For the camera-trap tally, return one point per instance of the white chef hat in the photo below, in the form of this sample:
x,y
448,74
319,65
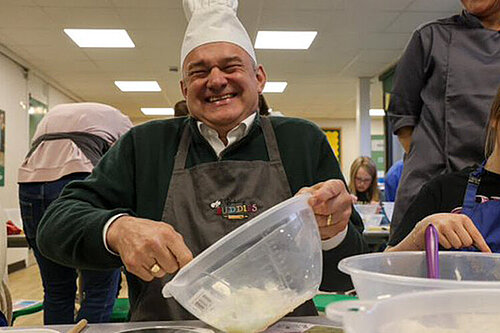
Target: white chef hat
x,y
213,21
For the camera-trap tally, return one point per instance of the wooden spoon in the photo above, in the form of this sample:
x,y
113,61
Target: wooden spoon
x,y
78,326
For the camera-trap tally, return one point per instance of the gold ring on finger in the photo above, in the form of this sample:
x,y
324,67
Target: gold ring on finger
x,y
329,220
155,268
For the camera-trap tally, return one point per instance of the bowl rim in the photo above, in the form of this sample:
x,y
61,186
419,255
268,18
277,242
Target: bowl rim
x,y
418,281
297,202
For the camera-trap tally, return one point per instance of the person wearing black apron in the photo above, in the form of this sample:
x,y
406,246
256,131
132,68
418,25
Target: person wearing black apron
x,y
184,183
212,183
472,195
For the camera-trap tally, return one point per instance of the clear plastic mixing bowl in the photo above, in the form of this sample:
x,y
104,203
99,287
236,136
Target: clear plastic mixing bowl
x,y
257,274
381,275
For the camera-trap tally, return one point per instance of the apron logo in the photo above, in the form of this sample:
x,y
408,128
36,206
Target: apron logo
x,y
233,210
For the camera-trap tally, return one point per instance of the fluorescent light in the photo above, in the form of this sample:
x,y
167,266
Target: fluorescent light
x,y
377,112
285,40
143,86
158,111
274,87
100,37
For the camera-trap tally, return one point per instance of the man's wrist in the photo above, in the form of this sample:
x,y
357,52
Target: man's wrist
x,y
105,231
331,243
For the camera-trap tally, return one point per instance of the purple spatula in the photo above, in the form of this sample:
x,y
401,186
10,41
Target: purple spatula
x,y
431,252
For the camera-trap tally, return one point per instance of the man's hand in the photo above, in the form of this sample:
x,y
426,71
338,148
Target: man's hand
x,y
454,230
331,204
142,243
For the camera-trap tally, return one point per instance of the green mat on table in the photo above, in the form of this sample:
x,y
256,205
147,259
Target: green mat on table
x,y
321,301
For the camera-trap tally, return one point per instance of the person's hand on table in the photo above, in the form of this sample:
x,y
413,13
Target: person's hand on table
x,y
354,199
143,243
454,230
331,204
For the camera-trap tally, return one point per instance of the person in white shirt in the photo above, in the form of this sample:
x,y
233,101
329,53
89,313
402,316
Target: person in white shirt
x,y
202,176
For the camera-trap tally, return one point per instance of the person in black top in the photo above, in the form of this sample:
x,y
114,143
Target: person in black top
x,y
464,206
442,90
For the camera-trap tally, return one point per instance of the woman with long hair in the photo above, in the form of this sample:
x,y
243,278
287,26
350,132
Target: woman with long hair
x,y
363,181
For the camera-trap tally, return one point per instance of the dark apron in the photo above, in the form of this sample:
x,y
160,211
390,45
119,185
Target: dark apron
x,y
208,201
91,145
484,214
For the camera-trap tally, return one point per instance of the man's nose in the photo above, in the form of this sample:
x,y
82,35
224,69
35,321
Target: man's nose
x,y
216,79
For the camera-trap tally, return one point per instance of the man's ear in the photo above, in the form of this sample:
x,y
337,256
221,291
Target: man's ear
x,y
261,76
183,89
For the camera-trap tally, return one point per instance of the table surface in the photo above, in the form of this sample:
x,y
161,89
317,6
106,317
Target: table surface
x,y
118,327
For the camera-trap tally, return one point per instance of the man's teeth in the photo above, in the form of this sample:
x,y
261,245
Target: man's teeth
x,y
219,98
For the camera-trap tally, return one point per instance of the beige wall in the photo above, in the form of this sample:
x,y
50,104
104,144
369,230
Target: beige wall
x,y
350,138
13,96
377,126
14,89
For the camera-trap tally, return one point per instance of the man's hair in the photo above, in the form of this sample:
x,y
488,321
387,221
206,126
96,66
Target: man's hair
x,y
181,109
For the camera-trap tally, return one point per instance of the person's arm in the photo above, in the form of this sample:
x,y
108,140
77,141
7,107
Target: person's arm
x,y
427,202
353,242
410,77
454,231
71,231
404,137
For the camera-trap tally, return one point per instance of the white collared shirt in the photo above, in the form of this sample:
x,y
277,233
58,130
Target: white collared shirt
x,y
233,135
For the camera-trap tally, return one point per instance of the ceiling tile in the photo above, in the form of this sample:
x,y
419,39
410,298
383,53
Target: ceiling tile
x,y
153,19
18,3
84,18
363,6
449,6
147,3
299,5
34,37
24,17
389,41
408,22
74,3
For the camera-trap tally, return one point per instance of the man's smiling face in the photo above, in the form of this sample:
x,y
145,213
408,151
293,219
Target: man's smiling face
x,y
221,84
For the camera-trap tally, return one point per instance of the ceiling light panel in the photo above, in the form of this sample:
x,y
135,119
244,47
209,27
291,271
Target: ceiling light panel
x,y
103,38
158,111
138,86
285,40
274,87
377,112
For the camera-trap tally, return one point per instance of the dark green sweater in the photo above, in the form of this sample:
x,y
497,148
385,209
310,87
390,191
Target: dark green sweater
x,y
133,177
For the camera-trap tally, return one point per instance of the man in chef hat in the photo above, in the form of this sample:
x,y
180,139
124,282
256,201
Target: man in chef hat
x,y
170,189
